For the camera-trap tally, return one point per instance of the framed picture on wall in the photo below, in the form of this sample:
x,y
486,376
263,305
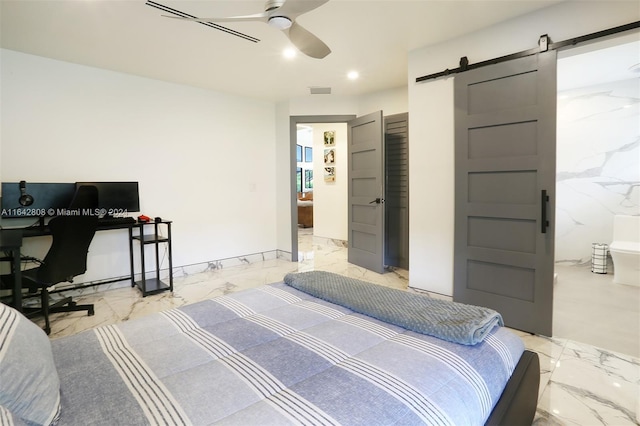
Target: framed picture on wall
x,y
308,154
329,174
329,138
330,156
308,179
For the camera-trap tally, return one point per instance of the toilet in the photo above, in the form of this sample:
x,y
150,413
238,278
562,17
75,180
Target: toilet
x,y
625,250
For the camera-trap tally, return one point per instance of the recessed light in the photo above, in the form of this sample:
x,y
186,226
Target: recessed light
x,y
353,75
289,53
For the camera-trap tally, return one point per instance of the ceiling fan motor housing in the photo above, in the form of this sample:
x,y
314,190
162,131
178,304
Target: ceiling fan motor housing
x,y
272,4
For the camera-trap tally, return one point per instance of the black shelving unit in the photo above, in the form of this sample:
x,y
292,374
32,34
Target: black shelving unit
x,y
151,285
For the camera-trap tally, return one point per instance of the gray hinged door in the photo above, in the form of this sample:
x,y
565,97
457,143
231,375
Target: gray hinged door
x,y
366,192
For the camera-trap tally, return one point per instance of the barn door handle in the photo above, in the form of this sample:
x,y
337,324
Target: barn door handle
x,y
377,201
544,223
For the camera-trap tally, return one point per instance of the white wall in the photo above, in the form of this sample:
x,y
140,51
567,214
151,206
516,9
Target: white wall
x,y
196,159
330,198
323,105
431,132
392,101
598,164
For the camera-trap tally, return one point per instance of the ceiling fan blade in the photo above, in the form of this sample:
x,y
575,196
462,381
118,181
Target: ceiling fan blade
x,y
306,42
294,8
262,17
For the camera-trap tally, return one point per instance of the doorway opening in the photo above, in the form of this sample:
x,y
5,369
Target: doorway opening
x,y
317,170
321,186
597,177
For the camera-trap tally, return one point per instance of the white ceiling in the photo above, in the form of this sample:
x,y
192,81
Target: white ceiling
x,y
372,37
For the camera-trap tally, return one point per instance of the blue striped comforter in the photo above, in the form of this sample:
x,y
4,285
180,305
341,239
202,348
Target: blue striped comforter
x,y
275,355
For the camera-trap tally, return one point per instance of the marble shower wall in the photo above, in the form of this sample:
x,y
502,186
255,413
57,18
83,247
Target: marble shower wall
x,y
598,165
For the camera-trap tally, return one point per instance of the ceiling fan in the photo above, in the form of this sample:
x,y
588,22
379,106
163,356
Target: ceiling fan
x,y
282,14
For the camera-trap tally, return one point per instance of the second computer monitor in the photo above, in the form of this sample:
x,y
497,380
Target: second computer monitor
x,y
116,198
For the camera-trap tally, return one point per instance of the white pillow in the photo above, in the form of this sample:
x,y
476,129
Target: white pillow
x,y
29,383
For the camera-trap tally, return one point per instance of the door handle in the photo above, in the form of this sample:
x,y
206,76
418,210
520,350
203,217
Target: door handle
x,y
377,201
544,200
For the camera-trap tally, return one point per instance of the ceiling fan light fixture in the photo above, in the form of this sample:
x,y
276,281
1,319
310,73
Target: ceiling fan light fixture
x,y
280,22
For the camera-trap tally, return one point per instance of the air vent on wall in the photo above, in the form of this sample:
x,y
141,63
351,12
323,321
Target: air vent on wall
x,y
320,90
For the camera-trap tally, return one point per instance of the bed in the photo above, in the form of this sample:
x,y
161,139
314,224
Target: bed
x,y
317,349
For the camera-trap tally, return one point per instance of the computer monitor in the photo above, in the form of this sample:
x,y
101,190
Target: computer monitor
x,y
38,199
116,198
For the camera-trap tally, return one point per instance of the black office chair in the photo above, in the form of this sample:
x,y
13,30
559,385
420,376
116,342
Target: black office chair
x,y
66,258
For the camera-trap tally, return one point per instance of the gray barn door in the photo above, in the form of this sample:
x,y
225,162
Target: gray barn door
x,y
396,201
505,190
366,192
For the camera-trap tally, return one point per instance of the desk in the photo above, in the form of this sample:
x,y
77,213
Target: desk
x,y
41,230
11,241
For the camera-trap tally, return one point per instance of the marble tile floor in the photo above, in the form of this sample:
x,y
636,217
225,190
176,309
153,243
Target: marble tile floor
x,y
581,384
591,308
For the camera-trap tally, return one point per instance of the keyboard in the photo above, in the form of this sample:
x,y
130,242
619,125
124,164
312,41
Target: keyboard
x,y
113,221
